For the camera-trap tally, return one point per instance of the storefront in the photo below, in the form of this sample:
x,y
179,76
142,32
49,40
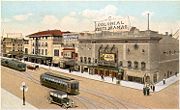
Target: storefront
x,y
135,76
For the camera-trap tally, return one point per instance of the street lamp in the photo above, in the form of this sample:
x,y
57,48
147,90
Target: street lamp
x,y
23,88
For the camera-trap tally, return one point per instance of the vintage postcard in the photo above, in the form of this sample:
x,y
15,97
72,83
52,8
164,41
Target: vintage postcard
x,y
89,54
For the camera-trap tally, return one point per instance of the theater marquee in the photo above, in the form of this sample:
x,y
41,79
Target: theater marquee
x,y
113,24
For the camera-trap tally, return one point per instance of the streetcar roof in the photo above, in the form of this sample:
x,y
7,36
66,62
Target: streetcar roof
x,y
55,76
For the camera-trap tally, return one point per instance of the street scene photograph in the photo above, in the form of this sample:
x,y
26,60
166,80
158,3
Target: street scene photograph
x,y
89,54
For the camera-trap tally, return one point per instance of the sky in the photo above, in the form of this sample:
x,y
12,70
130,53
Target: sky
x,y
28,17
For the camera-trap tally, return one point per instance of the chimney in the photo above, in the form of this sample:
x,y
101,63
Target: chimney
x,y
166,33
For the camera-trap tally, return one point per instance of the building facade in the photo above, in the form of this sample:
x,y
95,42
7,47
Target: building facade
x,y
70,50
12,47
45,47
138,56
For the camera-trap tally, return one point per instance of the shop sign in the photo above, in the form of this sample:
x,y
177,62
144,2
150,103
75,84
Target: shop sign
x,y
108,57
113,24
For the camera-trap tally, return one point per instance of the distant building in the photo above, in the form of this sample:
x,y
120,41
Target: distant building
x,y
12,47
138,56
45,47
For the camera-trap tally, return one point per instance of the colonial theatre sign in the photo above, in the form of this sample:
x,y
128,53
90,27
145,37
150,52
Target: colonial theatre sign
x,y
113,24
108,57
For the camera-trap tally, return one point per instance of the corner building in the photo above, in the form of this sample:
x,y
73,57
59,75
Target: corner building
x,y
138,56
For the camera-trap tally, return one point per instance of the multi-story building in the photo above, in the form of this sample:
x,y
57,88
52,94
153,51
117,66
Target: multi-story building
x,y
12,47
45,47
70,50
138,56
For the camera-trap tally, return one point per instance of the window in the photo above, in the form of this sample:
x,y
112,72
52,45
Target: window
x,y
45,51
129,64
143,65
38,51
33,51
85,60
56,52
135,65
121,63
81,59
46,44
95,60
42,43
89,60
33,44
26,50
42,51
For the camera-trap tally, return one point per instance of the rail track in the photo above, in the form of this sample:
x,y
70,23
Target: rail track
x,y
83,99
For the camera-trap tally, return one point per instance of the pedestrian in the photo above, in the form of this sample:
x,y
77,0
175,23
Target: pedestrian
x,y
148,90
144,90
69,70
153,88
164,81
112,78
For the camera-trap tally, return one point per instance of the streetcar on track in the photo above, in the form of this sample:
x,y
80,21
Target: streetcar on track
x,y
59,82
14,64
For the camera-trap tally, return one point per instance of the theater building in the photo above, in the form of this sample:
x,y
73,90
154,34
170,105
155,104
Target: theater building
x,y
45,47
134,55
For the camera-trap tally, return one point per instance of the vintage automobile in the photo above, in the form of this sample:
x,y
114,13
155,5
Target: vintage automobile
x,y
33,67
60,98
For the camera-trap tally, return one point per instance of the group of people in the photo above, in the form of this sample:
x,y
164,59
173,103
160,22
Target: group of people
x,y
146,89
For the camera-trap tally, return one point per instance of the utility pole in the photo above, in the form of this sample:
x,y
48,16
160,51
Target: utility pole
x,y
148,20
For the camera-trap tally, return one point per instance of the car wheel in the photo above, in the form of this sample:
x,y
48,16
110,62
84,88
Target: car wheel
x,y
49,99
64,106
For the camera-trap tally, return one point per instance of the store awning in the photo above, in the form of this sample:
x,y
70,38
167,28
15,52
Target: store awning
x,y
135,73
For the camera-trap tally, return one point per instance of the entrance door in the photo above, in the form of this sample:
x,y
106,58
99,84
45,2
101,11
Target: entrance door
x,y
155,78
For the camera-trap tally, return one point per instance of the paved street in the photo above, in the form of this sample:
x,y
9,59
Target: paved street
x,y
93,94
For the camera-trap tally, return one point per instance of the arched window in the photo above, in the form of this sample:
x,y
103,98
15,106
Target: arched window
x,y
89,60
121,63
85,60
135,65
81,59
143,65
129,64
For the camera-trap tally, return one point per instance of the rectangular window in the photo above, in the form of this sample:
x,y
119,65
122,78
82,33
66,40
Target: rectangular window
x,y
42,51
33,51
45,51
56,52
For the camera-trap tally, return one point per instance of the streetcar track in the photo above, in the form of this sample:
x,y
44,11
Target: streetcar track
x,y
107,97
89,103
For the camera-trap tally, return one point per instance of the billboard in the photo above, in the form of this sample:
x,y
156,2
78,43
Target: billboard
x,y
107,57
113,24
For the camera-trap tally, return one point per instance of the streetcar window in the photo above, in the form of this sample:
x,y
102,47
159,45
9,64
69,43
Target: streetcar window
x,y
74,86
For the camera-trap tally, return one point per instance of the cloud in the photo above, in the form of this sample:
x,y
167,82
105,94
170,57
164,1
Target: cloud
x,y
22,17
5,20
49,20
109,10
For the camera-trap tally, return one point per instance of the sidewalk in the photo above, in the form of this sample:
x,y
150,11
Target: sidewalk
x,y
158,87
10,101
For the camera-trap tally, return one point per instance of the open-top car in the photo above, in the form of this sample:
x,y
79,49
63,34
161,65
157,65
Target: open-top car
x,y
60,98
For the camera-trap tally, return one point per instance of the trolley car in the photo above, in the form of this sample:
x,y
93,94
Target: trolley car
x,y
14,64
59,82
